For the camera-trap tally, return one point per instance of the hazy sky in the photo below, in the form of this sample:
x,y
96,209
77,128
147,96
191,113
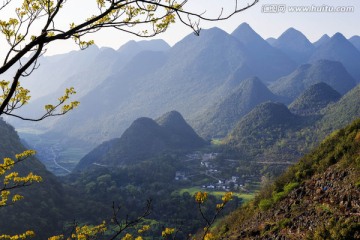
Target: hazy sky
x,y
263,18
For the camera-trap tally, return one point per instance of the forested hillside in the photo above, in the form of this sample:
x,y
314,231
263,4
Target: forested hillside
x,y
314,99
317,198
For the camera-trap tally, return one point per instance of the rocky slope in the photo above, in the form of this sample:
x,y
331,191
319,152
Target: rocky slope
x,y
317,198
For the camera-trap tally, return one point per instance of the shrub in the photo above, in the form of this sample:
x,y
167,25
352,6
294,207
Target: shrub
x,y
265,204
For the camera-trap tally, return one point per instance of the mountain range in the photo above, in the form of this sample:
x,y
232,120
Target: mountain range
x,y
198,77
270,101
271,132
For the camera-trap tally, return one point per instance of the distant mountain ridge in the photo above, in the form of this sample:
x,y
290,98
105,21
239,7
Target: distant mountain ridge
x,y
330,72
338,48
193,76
144,139
294,44
342,112
268,63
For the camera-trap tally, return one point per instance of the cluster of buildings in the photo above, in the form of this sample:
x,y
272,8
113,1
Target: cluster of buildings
x,y
209,169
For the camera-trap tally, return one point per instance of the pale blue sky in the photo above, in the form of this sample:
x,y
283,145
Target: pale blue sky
x,y
313,25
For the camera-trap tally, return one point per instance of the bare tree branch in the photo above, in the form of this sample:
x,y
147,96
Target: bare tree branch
x,y
142,18
123,225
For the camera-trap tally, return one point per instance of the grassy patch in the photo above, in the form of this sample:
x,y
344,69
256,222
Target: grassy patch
x,y
217,141
245,196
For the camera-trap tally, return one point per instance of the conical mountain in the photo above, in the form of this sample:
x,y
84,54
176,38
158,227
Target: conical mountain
x,y
324,39
140,141
330,72
144,139
294,44
204,52
355,40
182,135
219,119
315,98
261,128
265,60
338,48
191,75
154,45
247,36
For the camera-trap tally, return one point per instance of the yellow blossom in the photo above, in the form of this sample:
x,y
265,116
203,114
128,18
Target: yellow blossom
x,y
200,197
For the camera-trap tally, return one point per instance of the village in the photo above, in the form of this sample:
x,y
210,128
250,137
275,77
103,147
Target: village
x,y
209,166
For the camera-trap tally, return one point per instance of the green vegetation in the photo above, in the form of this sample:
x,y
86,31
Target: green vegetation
x,y
193,190
314,99
334,164
270,132
132,185
221,118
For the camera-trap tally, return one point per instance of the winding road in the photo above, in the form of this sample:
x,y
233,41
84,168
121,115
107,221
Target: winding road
x,y
53,153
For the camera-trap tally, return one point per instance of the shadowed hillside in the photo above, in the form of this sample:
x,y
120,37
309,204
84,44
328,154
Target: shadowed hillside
x,y
144,139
